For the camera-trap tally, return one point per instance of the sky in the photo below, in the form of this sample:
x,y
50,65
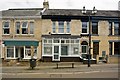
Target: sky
x,y
61,4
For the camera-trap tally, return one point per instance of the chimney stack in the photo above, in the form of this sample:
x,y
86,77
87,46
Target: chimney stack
x,y
46,4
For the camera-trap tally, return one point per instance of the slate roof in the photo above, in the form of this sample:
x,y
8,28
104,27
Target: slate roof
x,y
66,12
78,12
22,12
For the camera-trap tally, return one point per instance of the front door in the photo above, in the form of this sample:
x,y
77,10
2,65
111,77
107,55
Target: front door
x,y
56,53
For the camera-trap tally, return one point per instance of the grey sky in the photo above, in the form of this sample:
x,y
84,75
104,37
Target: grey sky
x,y
61,4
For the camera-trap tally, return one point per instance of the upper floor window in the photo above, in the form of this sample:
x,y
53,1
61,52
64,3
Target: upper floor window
x,y
17,27
31,27
94,27
6,27
84,27
68,27
24,27
110,28
116,28
61,27
54,27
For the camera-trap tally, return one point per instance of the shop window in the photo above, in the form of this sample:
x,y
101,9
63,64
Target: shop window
x,y
10,52
47,49
27,52
74,49
35,52
116,48
6,28
64,50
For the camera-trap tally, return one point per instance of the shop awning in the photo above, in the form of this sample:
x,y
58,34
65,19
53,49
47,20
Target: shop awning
x,y
20,43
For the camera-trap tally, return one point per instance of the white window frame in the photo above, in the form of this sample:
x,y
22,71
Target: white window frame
x,y
26,27
3,23
13,53
26,57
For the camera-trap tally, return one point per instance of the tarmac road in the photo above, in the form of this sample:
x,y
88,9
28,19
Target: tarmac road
x,y
80,71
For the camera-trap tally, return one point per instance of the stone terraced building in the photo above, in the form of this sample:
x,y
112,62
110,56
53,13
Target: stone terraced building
x,y
59,34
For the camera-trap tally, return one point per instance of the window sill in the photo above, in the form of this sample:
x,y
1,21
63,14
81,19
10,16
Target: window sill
x,y
113,35
94,35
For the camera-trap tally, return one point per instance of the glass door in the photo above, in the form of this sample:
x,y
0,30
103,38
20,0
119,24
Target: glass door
x,y
56,53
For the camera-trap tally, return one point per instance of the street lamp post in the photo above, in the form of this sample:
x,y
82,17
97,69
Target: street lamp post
x,y
94,11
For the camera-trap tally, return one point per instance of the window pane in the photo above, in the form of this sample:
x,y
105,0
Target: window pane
x,y
84,27
110,28
94,28
17,27
64,50
28,52
6,25
75,50
35,51
24,25
116,28
47,50
31,27
24,28
54,27
6,31
56,41
61,27
84,49
68,27
24,31
56,49
10,52
117,48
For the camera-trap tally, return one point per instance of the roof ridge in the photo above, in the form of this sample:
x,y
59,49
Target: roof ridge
x,y
26,9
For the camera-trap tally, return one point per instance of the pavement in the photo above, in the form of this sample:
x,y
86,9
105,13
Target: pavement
x,y
50,70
